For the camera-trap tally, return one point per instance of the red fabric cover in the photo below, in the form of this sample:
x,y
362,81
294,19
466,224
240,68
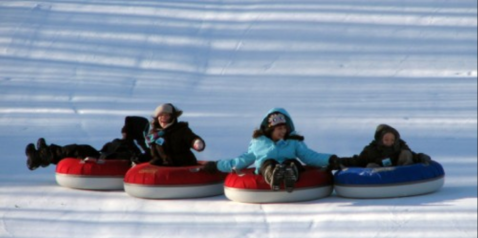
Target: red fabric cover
x,y
73,166
147,174
311,177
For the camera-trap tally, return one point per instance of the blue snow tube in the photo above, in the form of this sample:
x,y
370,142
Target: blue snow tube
x,y
389,182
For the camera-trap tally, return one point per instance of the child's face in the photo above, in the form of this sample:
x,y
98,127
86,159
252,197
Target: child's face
x,y
388,139
164,119
279,133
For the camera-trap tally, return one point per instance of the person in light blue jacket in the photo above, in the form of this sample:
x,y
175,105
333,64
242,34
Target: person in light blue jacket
x,y
275,150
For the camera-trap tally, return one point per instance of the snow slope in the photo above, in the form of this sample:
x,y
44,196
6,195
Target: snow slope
x,y
71,70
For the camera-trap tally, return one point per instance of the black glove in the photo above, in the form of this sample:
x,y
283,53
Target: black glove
x,y
334,163
210,167
424,159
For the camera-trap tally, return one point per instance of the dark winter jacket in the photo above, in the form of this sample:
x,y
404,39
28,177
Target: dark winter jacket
x,y
176,142
120,149
376,152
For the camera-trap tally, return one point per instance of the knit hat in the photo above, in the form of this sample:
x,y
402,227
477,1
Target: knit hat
x,y
276,119
289,122
167,108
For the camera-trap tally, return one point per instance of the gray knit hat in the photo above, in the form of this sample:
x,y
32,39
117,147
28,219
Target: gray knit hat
x,y
167,108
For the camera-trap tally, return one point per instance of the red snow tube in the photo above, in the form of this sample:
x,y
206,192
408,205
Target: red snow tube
x,y
251,188
158,182
92,174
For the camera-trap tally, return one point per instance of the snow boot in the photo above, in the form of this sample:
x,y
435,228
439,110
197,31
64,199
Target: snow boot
x,y
291,176
52,154
277,177
33,158
44,152
41,144
268,172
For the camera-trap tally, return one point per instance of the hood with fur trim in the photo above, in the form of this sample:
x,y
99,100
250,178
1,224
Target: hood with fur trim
x,y
383,129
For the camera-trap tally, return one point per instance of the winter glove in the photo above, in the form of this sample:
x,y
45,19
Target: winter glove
x,y
198,145
210,167
334,163
424,159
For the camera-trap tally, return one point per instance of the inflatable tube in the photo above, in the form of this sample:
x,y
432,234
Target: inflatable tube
x,y
251,188
389,182
92,175
157,182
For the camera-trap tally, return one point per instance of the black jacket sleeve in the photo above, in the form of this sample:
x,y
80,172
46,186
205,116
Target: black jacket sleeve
x,y
189,137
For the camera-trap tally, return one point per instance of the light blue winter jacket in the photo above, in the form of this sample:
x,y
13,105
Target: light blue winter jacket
x,y
263,148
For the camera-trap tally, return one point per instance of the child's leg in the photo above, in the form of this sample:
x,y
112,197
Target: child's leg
x,y
297,164
405,158
53,154
267,169
267,164
278,176
291,174
156,158
273,173
83,151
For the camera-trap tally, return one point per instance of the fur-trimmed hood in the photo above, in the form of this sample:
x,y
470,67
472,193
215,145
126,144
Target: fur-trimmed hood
x,y
383,129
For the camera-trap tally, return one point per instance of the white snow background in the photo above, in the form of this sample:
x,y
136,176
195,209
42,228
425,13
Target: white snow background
x,y
71,70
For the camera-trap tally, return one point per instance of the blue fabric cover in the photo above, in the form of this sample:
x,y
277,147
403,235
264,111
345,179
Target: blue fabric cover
x,y
388,175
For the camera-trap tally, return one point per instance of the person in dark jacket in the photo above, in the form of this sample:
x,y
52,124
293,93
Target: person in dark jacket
x,y
125,148
387,149
170,141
